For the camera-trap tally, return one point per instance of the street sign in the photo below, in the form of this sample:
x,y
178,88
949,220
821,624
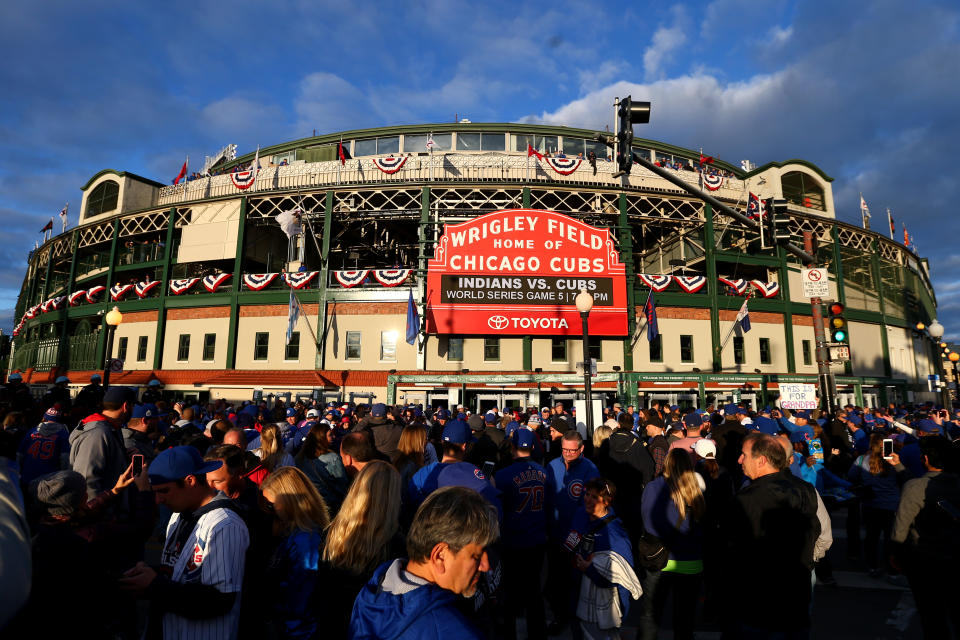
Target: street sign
x,y
816,284
593,367
116,365
798,396
839,353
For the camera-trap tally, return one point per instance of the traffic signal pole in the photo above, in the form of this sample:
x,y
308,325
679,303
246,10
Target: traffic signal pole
x,y
825,375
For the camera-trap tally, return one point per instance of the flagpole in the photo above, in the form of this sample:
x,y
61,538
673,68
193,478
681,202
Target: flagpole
x,y
890,224
732,327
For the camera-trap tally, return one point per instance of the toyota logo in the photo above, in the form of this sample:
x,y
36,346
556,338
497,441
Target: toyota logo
x,y
497,322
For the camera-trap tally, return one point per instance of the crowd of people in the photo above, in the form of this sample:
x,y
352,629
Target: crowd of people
x,y
335,520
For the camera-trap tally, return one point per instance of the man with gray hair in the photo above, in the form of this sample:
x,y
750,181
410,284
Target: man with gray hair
x,y
415,597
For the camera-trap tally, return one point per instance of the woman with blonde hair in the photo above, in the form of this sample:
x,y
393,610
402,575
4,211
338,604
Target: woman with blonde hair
x,y
299,519
271,453
673,507
364,535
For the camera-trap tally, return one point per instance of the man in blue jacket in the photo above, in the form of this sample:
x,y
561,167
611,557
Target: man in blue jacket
x,y
567,478
415,597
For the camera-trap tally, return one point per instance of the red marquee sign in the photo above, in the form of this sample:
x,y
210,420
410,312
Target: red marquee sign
x,y
518,272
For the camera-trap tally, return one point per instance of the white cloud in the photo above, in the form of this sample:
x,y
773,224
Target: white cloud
x,y
666,40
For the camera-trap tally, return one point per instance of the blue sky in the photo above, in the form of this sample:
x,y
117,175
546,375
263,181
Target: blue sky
x,y
867,91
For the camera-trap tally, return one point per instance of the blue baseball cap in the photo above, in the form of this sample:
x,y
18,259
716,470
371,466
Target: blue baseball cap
x,y
119,395
457,432
291,412
693,419
443,414
524,439
176,463
95,377
153,383
61,379
855,420
490,417
928,426
802,414
142,411
766,425
730,409
378,410
14,376
512,426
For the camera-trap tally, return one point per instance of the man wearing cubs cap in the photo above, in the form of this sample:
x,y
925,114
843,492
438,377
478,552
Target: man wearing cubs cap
x,y
196,589
141,432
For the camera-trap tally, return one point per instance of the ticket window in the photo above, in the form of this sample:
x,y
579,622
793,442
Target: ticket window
x,y
728,398
871,399
682,400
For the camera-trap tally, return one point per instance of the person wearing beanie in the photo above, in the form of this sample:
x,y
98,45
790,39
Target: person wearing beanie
x,y
96,445
45,448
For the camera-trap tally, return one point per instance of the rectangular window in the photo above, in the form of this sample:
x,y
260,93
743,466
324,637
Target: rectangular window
x,y
468,142
417,143
388,145
494,142
656,349
739,357
353,346
142,349
209,346
455,349
572,147
558,350
365,147
491,349
292,351
686,348
261,345
183,349
543,144
122,348
388,346
596,349
807,353
764,350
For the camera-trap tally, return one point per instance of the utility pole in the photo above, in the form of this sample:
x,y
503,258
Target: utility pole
x,y
827,384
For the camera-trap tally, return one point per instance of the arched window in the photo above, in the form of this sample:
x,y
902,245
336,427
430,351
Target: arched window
x,y
803,190
103,198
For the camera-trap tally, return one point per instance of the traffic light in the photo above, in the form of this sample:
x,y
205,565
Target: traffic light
x,y
629,113
837,324
777,220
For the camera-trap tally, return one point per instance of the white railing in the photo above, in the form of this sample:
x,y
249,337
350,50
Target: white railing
x,y
440,167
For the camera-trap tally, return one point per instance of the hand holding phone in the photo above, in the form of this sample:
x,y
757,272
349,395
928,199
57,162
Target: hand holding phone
x,y
887,448
137,465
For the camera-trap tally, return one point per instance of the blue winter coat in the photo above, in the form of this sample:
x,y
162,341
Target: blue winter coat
x,y
395,605
565,489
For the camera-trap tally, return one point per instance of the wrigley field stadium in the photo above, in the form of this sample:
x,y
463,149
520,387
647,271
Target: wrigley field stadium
x,y
440,264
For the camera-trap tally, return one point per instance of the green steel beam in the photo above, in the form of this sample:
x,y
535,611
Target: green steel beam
x,y
875,265
526,197
320,362
422,267
626,257
708,249
787,313
237,280
101,335
841,291
64,353
164,287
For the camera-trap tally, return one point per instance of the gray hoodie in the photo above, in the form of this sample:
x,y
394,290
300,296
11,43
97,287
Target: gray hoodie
x,y
97,452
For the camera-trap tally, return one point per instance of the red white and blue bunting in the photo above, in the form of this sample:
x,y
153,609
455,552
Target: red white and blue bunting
x,y
766,289
389,165
299,279
711,181
95,292
691,284
118,291
183,285
564,166
45,306
143,288
392,277
75,297
243,179
212,283
32,311
737,284
350,279
258,281
656,282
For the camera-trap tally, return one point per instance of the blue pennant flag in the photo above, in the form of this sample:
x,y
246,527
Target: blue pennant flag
x,y
413,320
650,311
743,317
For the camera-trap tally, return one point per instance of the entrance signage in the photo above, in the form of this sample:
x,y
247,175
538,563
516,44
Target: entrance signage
x,y
518,272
